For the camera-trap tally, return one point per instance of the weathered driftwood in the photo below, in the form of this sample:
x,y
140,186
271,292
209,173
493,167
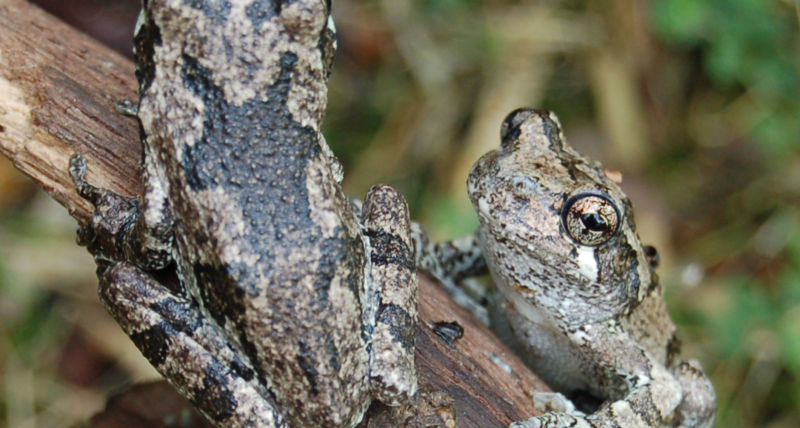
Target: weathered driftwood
x,y
57,93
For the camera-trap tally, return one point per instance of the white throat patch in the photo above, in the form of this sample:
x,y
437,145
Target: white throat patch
x,y
587,263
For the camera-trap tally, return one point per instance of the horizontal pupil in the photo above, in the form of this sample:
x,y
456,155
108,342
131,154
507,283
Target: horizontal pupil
x,y
594,222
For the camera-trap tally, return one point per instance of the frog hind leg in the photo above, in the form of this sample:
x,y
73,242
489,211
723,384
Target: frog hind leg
x,y
453,260
187,349
699,402
453,263
653,392
644,406
391,314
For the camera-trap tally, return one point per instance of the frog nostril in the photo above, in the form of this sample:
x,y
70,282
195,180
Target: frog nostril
x,y
541,122
510,128
510,136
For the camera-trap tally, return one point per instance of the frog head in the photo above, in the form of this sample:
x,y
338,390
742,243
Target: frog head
x,y
556,223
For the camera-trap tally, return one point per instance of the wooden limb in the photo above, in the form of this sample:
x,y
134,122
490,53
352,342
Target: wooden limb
x,y
57,94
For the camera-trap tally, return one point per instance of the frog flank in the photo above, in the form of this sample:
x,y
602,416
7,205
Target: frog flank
x,y
292,309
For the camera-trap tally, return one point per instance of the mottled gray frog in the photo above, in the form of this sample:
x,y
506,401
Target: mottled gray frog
x,y
290,309
579,290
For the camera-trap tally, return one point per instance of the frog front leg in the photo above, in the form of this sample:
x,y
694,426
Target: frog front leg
x,y
391,290
187,349
451,262
699,404
644,393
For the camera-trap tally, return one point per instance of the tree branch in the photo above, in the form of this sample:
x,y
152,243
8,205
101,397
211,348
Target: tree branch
x,y
59,88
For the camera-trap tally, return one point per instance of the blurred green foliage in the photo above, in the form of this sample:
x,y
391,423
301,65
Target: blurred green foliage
x,y
747,46
750,54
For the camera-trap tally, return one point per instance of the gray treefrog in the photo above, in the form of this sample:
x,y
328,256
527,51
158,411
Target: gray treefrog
x,y
579,290
290,310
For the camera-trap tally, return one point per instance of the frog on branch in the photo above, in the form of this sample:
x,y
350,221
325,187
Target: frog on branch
x,y
579,290
291,310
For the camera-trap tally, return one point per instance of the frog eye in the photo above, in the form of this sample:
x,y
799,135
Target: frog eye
x,y
590,218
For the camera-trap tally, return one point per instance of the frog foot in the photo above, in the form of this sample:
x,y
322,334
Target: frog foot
x,y
546,402
553,420
113,216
